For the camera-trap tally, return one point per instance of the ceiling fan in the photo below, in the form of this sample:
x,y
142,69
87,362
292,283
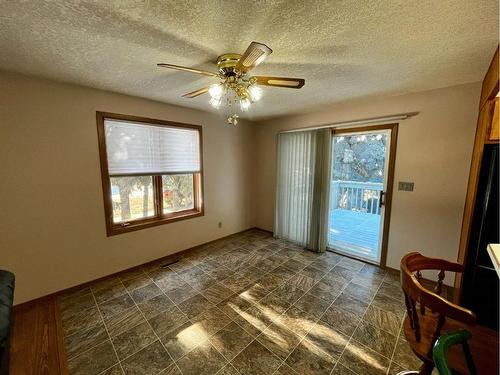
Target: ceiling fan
x,y
235,86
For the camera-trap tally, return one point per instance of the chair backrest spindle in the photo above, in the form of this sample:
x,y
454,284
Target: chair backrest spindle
x,y
419,277
412,266
439,285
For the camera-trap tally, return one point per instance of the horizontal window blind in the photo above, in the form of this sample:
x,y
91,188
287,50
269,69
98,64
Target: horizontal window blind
x,y
141,148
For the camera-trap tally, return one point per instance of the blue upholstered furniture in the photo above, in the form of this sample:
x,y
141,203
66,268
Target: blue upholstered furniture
x,y
7,282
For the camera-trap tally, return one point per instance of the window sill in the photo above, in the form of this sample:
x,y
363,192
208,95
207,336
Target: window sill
x,y
116,229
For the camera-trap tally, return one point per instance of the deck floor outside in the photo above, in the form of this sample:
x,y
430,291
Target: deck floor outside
x,y
355,232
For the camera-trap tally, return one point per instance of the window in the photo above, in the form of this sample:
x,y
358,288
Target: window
x,y
151,171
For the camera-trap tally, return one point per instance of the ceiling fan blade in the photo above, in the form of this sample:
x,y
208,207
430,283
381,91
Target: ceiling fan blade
x,y
291,83
186,69
194,94
253,56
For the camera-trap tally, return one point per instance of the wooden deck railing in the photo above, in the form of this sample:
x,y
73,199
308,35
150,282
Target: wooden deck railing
x,y
356,196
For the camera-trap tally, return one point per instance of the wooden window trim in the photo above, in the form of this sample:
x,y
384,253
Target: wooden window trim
x,y
160,218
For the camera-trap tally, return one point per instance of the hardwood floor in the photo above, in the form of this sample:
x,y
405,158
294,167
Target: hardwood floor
x,y
34,339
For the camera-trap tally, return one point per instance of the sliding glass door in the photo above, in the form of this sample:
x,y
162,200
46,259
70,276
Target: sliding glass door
x,y
358,186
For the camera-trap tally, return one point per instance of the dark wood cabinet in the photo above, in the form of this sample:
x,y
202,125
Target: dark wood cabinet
x,y
480,284
478,287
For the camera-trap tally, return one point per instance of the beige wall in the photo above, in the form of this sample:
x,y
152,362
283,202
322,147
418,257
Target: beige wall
x,y
52,230
434,151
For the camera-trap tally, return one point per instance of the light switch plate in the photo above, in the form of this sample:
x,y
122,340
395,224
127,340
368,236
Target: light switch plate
x,y
405,186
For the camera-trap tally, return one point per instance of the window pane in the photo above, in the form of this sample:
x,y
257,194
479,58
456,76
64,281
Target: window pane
x,y
178,192
132,198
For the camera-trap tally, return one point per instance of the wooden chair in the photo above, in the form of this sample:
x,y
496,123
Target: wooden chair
x,y
430,315
443,344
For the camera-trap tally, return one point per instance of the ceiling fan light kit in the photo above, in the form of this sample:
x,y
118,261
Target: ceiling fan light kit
x,y
236,91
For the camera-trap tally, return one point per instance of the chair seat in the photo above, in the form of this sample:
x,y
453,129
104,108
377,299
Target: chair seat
x,y
483,344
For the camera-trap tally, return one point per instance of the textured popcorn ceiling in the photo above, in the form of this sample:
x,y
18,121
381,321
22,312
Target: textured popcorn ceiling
x,y
344,49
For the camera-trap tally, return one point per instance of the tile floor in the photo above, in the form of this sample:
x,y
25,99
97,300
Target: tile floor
x,y
249,304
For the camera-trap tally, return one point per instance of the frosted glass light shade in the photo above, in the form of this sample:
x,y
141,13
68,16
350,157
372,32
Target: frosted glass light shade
x,y
255,93
215,91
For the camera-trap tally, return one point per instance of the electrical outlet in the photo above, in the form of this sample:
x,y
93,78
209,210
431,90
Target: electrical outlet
x,y
406,186
220,224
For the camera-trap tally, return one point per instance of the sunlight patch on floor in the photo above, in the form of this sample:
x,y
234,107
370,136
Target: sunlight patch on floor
x,y
363,354
192,336
327,333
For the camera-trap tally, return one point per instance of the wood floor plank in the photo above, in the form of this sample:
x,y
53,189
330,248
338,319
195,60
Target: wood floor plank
x,y
34,339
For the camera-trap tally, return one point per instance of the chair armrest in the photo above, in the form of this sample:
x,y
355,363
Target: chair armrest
x,y
440,350
416,262
411,286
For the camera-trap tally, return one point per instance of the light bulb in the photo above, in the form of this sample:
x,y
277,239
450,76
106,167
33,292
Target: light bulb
x,y
255,93
215,91
215,102
244,104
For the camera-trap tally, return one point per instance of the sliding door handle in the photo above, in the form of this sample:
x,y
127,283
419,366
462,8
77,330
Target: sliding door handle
x,y
381,199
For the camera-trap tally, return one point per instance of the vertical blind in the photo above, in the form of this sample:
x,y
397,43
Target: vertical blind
x,y
295,186
143,148
303,183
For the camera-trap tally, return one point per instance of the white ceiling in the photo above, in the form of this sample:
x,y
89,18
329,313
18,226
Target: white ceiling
x,y
344,49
